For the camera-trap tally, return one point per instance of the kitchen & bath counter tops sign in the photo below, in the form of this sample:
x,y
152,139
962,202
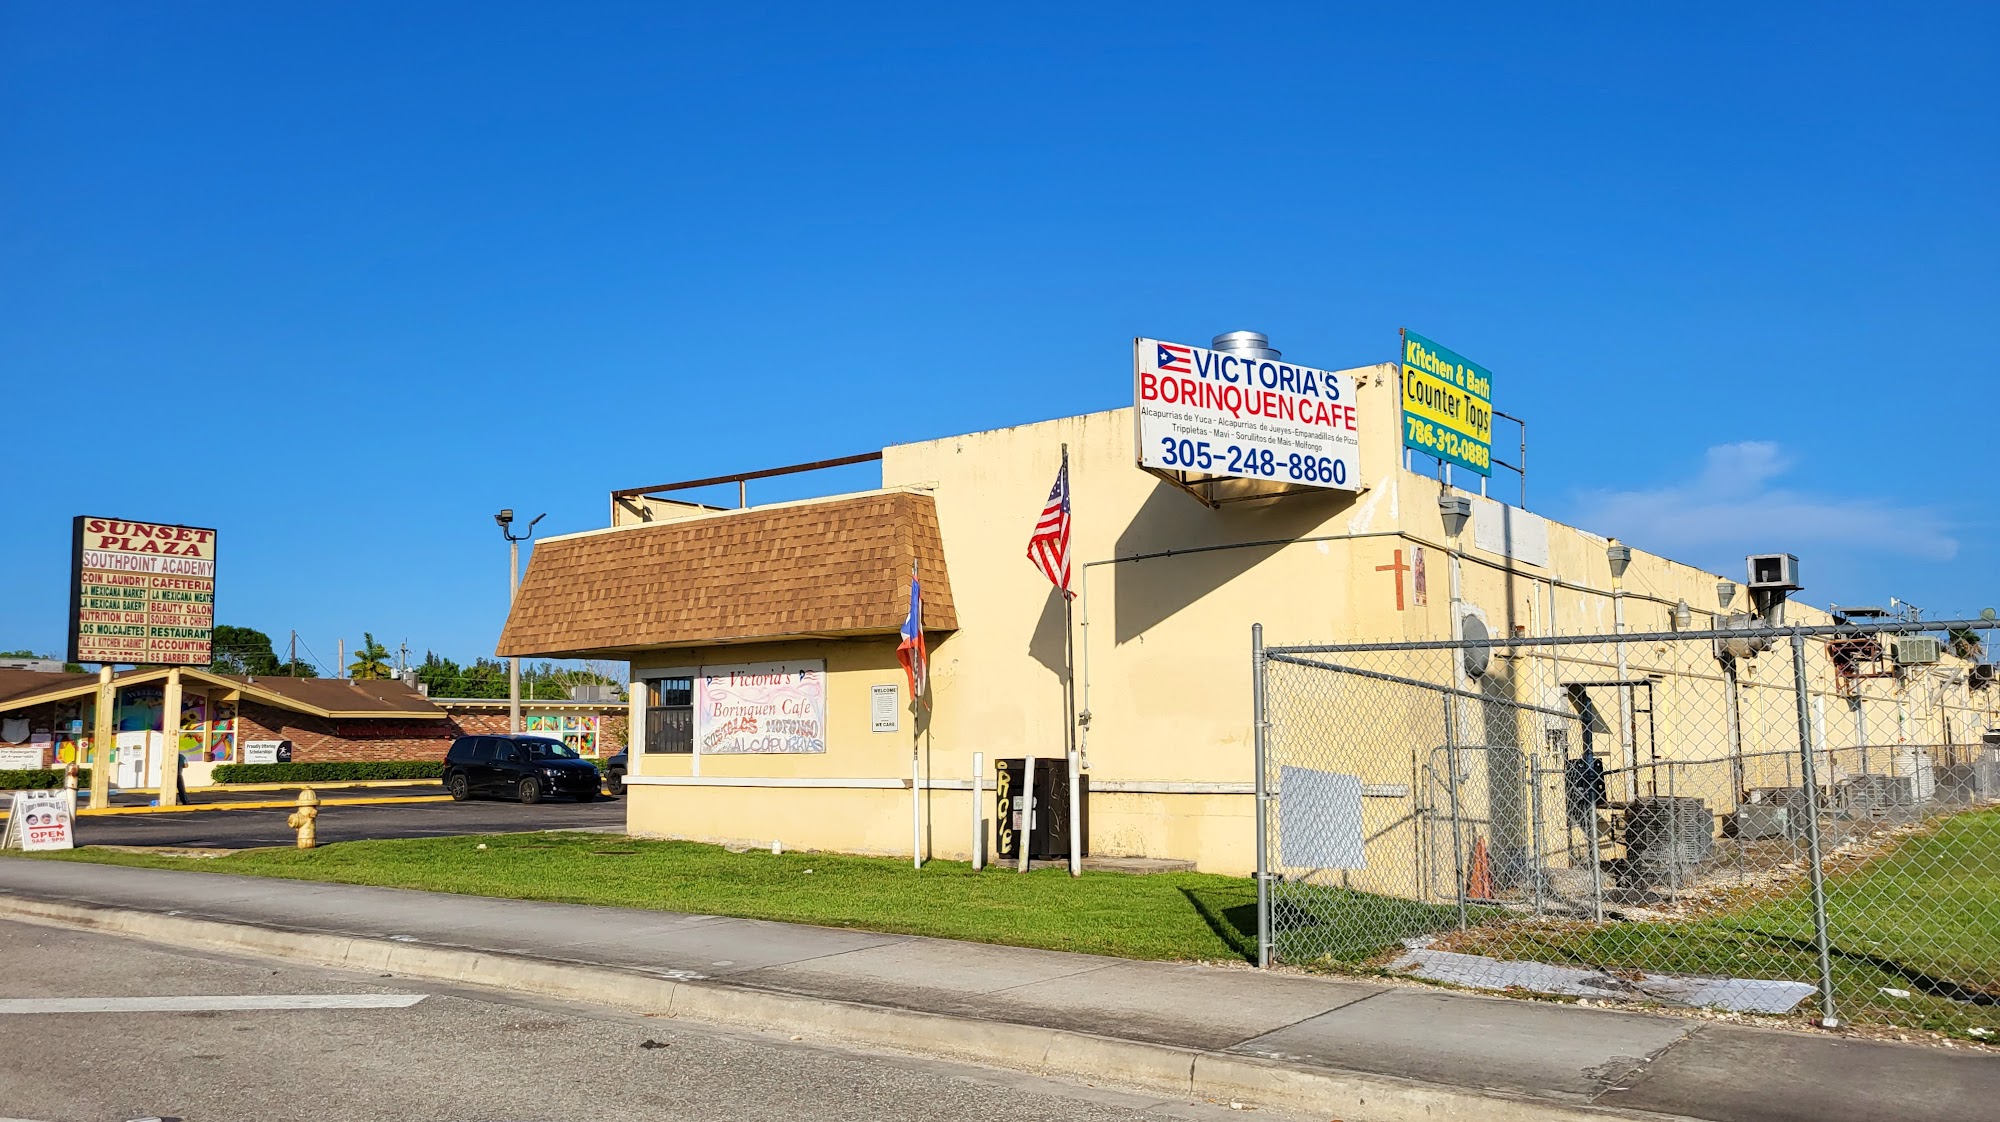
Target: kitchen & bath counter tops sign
x,y
141,593
761,707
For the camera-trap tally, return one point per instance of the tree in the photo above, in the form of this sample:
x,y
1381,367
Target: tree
x,y
486,677
243,650
371,659
296,668
1966,644
439,676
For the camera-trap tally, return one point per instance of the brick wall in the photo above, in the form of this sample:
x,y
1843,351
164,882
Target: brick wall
x,y
610,730
317,740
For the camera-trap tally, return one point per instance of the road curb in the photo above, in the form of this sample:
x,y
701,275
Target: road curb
x,y
259,804
1217,1076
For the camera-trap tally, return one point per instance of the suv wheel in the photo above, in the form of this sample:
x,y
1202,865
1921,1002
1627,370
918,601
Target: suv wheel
x,y
531,790
458,787
614,783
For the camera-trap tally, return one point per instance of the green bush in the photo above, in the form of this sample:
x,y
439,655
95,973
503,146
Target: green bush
x,y
33,779
328,772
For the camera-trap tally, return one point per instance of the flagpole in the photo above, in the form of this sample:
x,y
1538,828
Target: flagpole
x,y
916,759
1069,715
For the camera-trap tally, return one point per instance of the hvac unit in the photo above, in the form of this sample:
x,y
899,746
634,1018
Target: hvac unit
x,y
1755,821
1665,838
1774,572
1869,796
1981,676
1917,650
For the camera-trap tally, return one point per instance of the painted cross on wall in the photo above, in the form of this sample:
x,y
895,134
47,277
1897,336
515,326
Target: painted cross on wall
x,y
1399,569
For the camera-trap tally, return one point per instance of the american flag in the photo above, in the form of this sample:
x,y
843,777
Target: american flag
x,y
1048,548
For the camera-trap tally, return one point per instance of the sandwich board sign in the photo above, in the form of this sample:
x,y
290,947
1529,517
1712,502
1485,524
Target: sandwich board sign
x,y
36,820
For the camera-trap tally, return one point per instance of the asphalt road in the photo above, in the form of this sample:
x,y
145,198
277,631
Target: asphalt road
x,y
453,1055
244,829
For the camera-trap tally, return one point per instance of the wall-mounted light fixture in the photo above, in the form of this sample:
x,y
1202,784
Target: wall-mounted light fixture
x,y
1620,557
1456,510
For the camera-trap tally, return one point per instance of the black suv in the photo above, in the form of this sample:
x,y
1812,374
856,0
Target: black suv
x,y
530,768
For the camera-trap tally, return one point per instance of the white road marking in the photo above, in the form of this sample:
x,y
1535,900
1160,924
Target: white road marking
x,y
231,1004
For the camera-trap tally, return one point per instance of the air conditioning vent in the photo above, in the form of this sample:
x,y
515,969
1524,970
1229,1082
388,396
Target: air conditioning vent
x,y
1982,676
1917,650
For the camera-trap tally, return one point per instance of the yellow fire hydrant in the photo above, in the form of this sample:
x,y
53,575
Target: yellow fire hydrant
x,y
302,818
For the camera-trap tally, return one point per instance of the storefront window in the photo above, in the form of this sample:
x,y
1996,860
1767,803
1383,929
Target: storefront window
x,y
222,733
577,731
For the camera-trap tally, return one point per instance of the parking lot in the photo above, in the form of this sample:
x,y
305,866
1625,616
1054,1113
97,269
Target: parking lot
x,y
245,829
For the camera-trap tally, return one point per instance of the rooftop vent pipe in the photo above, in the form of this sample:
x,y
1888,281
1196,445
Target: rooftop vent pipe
x,y
1244,344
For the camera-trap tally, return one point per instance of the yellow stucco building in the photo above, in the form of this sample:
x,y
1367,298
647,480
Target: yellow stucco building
x,y
799,605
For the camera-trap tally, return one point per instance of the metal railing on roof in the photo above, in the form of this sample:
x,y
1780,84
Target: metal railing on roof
x,y
742,478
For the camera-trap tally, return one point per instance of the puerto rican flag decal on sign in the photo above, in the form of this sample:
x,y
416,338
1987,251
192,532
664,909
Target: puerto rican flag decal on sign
x,y
1176,359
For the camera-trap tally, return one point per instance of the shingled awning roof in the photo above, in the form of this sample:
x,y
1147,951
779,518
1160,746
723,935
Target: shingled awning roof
x,y
835,567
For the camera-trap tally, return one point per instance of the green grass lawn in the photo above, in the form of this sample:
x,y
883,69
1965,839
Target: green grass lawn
x,y
1923,918
1188,916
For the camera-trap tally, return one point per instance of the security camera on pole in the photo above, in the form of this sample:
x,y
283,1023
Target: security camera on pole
x,y
506,521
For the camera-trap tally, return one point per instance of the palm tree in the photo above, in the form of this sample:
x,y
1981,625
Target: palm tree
x,y
371,659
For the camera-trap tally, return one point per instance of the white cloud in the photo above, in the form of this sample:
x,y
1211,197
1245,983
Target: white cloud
x,y
1738,501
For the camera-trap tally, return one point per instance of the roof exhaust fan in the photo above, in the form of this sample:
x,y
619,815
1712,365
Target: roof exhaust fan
x,y
1244,344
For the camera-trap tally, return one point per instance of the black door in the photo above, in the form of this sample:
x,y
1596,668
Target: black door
x,y
510,763
484,770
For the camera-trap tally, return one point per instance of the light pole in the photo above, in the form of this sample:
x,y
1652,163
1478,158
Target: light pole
x,y
506,521
1725,594
1620,558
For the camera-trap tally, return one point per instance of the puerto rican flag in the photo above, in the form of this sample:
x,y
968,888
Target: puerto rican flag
x,y
1175,359
910,652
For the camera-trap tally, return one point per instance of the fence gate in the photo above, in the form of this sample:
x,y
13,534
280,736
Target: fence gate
x,y
1757,819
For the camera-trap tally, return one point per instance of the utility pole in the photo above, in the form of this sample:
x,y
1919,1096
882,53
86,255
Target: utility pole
x,y
340,658
292,660
403,659
505,519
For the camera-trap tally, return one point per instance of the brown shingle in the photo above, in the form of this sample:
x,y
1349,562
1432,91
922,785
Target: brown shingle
x,y
840,567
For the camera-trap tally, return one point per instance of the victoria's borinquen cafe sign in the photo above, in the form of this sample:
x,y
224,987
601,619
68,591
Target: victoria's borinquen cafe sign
x,y
141,593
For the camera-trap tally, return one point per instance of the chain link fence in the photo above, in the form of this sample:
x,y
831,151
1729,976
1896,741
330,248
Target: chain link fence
x,y
1766,820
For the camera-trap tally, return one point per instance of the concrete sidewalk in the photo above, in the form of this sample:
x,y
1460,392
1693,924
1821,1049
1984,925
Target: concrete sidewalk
x,y
1350,1048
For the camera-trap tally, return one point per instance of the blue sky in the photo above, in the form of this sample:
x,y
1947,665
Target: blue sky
x,y
344,282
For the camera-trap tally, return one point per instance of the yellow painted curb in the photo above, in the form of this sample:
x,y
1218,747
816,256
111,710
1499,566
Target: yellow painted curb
x,y
263,804
317,785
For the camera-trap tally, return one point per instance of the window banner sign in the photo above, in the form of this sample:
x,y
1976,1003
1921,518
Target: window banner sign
x,y
141,593
763,707
1447,405
1220,414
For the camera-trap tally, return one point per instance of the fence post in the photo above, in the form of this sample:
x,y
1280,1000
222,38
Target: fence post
x,y
1538,863
1257,729
1828,1015
1457,829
